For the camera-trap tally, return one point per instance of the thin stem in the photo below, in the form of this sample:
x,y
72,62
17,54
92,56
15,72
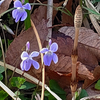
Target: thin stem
x,y
43,67
4,61
33,79
17,29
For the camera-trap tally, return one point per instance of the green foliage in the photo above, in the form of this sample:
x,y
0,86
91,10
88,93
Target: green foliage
x,y
0,53
23,98
57,89
1,76
82,94
3,95
95,1
28,85
17,81
2,69
9,41
97,85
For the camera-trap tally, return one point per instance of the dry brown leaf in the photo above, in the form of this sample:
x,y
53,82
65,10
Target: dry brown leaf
x,y
84,72
87,37
96,74
61,71
4,6
84,55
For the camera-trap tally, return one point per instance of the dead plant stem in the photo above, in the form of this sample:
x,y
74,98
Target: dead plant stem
x,y
43,66
4,61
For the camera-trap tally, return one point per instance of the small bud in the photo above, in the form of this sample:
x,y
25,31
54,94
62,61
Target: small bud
x,y
27,46
50,41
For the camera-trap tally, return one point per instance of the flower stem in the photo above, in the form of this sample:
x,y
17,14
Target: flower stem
x,y
16,29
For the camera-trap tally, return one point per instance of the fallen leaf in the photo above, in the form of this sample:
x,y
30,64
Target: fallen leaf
x,y
96,74
87,37
85,56
4,6
61,71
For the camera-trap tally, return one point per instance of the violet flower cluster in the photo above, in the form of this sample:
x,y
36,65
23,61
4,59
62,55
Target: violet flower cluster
x,y
19,12
27,59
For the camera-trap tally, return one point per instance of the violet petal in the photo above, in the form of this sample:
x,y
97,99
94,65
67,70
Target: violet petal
x,y
17,3
54,47
35,64
24,16
47,59
24,55
44,50
22,65
28,65
14,13
27,6
18,15
34,54
55,58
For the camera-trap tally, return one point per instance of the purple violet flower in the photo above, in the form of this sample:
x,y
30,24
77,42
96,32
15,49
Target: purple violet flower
x,y
20,12
27,60
49,53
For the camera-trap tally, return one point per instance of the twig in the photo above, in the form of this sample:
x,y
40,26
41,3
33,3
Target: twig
x,y
49,17
33,79
5,88
43,66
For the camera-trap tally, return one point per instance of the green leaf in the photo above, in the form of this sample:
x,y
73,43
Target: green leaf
x,y
91,11
22,87
29,85
0,53
97,85
57,89
17,81
27,22
9,41
3,95
24,98
1,76
82,94
2,69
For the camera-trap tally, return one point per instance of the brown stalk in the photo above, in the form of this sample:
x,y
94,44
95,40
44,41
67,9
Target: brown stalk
x,y
43,66
74,56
